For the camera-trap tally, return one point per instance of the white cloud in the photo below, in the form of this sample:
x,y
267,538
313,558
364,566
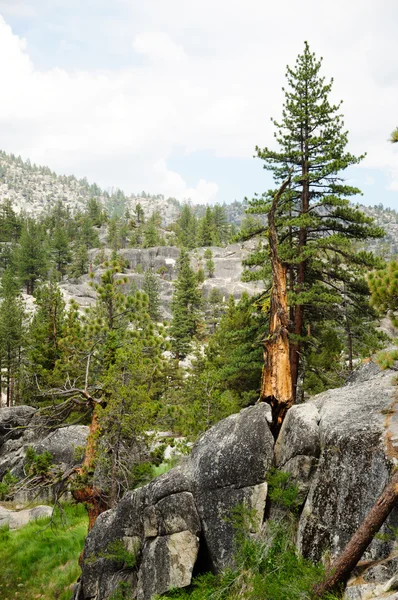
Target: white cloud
x,y
203,77
158,45
174,185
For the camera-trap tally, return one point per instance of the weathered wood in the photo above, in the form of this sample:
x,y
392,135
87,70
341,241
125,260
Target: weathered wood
x,y
341,569
276,385
88,494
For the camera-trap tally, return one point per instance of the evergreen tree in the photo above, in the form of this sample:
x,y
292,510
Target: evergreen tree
x,y
151,288
95,212
394,136
80,261
186,304
113,236
10,223
59,247
210,266
151,237
12,336
221,228
31,256
186,228
87,234
46,330
206,229
383,284
315,221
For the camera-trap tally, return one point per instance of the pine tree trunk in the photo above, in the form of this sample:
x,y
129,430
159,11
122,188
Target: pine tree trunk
x,y
302,242
90,495
276,385
348,559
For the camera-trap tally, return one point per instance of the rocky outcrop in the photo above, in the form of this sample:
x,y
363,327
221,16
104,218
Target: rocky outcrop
x,y
357,430
182,520
340,448
20,428
163,259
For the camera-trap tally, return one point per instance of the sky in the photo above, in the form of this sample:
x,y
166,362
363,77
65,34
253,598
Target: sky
x,y
172,96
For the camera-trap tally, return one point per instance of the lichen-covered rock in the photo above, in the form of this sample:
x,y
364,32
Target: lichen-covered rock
x,y
13,421
189,508
358,431
63,444
299,435
22,427
216,510
229,466
237,451
167,562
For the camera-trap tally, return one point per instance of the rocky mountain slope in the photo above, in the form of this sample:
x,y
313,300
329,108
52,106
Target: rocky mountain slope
x,y
340,449
226,278
33,189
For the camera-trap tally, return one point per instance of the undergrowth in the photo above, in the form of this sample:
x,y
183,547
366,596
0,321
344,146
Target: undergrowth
x,y
40,560
267,565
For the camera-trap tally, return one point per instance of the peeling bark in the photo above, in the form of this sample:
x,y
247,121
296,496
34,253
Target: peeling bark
x,y
94,500
276,385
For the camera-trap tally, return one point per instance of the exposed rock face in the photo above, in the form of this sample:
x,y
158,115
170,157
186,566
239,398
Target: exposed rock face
x,y
183,513
357,429
226,278
340,448
20,428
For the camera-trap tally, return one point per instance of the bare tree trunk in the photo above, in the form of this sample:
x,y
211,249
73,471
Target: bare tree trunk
x,y
276,385
348,559
88,494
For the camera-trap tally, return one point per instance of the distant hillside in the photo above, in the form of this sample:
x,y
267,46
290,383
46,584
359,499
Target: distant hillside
x,y
33,189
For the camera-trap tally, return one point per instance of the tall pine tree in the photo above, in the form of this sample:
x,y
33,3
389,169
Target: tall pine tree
x,y
315,220
186,305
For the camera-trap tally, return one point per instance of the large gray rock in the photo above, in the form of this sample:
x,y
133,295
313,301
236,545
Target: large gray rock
x,y
21,427
358,429
229,466
15,519
63,444
167,562
13,421
299,445
183,513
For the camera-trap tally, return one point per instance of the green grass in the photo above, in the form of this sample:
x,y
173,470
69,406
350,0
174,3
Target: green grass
x,y
41,561
268,569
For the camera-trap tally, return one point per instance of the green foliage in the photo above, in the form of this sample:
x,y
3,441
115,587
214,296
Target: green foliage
x,y
266,569
383,285
42,561
386,358
37,464
45,332
316,224
281,490
151,288
31,256
221,381
80,262
186,305
186,228
7,485
394,136
123,591
13,321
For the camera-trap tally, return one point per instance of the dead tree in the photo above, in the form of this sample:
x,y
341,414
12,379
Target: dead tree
x,y
276,385
341,569
83,488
